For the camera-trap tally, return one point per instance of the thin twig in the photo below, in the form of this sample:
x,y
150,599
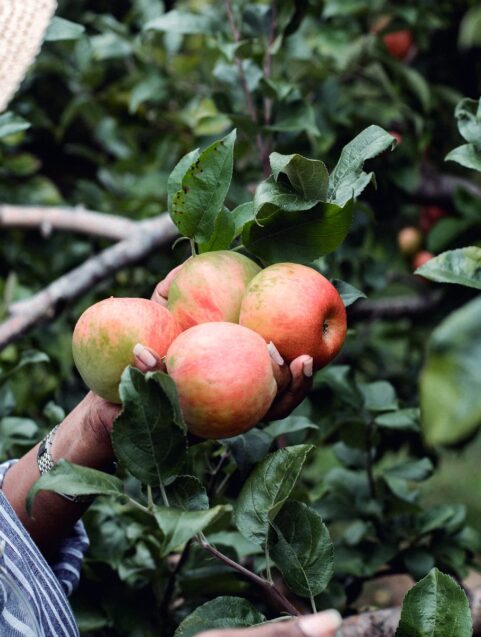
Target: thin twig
x,y
395,307
48,218
439,188
270,589
44,305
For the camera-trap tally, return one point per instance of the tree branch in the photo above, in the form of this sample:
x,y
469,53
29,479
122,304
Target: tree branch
x,y
71,219
395,307
46,303
439,188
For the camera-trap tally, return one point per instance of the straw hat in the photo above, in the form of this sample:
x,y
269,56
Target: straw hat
x,y
22,28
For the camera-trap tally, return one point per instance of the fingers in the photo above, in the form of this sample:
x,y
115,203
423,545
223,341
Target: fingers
x,y
146,359
320,625
301,370
281,371
161,292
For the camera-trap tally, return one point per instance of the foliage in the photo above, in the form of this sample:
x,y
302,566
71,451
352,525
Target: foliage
x,y
107,119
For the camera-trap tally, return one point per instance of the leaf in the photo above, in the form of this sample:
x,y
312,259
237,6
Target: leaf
x,y
466,155
174,182
60,29
271,196
299,236
289,425
450,396
10,123
302,549
249,448
266,490
220,613
378,396
412,470
348,292
182,22
435,607
446,231
402,419
179,526
28,357
308,177
187,493
73,479
223,233
197,203
470,29
461,266
148,436
468,116
244,213
348,179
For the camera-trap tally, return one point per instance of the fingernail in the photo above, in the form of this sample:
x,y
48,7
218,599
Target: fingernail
x,y
274,352
320,624
307,367
143,354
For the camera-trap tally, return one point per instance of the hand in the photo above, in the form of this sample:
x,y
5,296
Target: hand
x,y
294,381
320,625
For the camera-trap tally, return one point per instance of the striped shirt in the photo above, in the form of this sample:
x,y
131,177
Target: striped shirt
x,y
33,593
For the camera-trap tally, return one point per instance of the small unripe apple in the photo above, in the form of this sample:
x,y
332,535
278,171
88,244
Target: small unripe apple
x,y
223,373
410,241
209,287
398,43
297,309
429,217
421,258
106,333
397,136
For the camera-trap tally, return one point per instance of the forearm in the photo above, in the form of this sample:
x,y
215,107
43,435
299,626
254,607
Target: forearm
x,y
81,439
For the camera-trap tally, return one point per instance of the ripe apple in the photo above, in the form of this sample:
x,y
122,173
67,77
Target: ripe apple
x,y
297,309
397,136
429,217
410,241
224,378
398,43
106,334
209,287
421,258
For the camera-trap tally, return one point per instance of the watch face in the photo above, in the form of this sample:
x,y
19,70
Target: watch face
x,y
17,615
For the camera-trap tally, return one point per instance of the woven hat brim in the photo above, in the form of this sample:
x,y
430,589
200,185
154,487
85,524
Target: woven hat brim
x,y
22,28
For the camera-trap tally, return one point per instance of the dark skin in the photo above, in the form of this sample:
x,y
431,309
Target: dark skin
x,y
84,438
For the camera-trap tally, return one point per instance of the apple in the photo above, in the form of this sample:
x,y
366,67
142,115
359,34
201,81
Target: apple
x,y
209,287
106,333
397,136
410,241
398,43
224,378
421,258
429,217
297,309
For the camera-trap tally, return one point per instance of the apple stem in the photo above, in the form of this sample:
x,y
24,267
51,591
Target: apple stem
x,y
192,247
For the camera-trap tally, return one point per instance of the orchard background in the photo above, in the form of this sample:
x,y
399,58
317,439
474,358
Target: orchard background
x,y
119,94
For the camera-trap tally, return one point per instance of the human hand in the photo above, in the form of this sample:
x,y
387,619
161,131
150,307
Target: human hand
x,y
294,381
323,624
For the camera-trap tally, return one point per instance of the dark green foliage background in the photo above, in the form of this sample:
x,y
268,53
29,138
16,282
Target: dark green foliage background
x,y
111,113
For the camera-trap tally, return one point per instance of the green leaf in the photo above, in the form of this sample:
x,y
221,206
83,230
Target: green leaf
x,y
244,213
60,29
73,479
435,607
402,419
148,436
461,266
470,29
181,22
249,448
378,396
302,549
197,203
289,425
10,123
468,116
187,493
220,613
308,177
413,470
299,236
266,490
466,155
28,357
348,292
348,179
223,233
450,396
179,526
174,182
271,196
446,231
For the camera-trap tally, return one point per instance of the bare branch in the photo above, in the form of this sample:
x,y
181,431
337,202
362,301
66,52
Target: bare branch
x,y
71,219
46,303
437,187
395,307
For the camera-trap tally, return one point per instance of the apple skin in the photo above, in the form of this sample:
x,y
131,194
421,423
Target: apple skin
x,y
209,287
224,378
106,333
297,309
421,258
410,241
429,217
398,43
